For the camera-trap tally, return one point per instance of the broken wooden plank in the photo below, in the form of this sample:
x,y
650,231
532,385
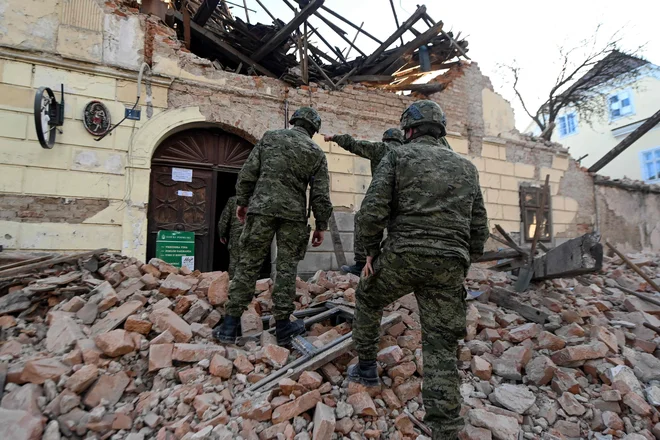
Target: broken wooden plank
x,y
326,354
372,78
406,49
353,25
354,39
336,241
205,11
339,32
641,296
426,89
498,255
396,18
634,267
578,256
505,298
510,241
49,263
414,18
226,48
287,30
26,262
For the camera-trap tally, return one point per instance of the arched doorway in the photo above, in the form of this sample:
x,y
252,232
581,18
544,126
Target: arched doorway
x,y
193,173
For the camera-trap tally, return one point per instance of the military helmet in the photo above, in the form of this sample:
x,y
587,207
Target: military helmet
x,y
423,112
393,134
308,115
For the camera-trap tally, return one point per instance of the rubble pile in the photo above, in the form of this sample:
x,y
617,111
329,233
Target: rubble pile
x,y
118,349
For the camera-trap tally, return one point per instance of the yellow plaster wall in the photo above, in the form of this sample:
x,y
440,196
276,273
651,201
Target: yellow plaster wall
x,y
77,166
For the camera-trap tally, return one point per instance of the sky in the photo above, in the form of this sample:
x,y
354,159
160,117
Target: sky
x,y
499,33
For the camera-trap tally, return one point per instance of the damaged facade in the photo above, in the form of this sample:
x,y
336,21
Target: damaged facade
x,y
115,193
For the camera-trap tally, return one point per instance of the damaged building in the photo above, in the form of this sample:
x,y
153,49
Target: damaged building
x,y
205,100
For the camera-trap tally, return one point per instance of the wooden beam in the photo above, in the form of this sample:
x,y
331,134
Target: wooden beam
x,y
434,66
354,39
625,143
336,241
414,18
205,11
499,255
512,244
634,267
272,17
339,32
408,48
646,298
49,263
372,78
224,47
505,298
26,262
578,256
359,29
396,18
426,89
287,30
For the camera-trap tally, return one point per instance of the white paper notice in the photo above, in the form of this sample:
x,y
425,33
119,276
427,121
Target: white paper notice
x,y
188,262
181,175
184,193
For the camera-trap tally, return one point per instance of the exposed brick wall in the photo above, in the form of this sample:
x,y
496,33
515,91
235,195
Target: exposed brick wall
x,y
34,209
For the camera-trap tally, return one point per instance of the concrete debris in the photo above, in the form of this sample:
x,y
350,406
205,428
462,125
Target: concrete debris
x,y
140,362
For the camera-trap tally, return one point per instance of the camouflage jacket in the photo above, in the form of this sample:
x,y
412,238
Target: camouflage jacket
x,y
229,226
430,201
374,151
275,177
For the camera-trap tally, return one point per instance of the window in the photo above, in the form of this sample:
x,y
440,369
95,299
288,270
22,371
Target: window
x,y
650,160
567,124
621,104
530,199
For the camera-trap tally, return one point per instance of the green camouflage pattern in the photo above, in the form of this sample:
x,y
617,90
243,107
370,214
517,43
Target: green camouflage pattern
x,y
230,227
275,177
423,112
292,240
438,286
429,199
309,115
374,151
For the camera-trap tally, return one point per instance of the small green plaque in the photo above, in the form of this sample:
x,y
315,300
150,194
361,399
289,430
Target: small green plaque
x,y
176,248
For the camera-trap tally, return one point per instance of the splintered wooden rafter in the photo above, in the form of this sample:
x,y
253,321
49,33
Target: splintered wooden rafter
x,y
278,49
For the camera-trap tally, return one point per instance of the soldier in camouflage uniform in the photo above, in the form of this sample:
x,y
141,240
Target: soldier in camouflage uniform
x,y
271,193
429,199
374,151
229,231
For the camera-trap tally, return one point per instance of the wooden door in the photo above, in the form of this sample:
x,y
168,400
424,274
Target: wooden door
x,y
189,204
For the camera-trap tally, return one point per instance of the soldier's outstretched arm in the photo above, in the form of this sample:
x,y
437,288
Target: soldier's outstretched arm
x,y
368,150
376,206
247,178
320,195
478,225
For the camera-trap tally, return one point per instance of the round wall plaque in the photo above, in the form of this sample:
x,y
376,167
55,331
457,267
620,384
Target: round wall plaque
x,y
96,118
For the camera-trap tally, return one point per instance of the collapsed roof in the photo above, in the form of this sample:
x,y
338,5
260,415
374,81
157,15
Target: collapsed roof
x,y
298,53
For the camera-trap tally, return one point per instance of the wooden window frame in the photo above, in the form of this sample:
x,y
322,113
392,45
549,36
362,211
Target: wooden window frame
x,y
528,208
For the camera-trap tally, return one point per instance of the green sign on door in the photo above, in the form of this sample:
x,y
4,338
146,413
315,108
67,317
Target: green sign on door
x,y
176,248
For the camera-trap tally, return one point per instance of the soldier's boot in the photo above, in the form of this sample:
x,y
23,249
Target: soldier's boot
x,y
365,373
229,330
355,269
287,330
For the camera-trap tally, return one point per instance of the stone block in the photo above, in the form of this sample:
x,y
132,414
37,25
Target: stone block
x,y
73,184
99,87
499,167
488,180
16,97
127,90
560,163
523,170
509,183
12,179
349,183
555,175
16,73
490,151
14,125
338,163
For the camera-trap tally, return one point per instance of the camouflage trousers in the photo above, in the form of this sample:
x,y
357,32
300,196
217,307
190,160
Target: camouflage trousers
x,y
234,256
292,239
438,286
